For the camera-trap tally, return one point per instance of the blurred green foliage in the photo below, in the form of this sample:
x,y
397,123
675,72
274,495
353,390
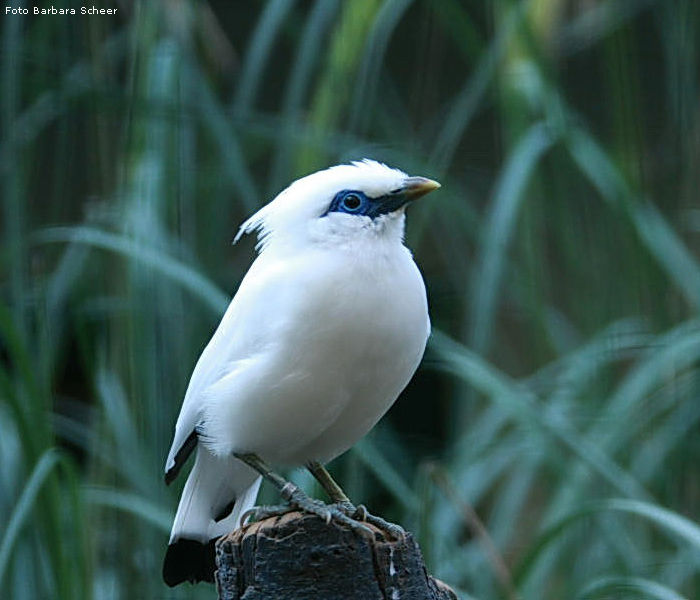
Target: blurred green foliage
x,y
547,448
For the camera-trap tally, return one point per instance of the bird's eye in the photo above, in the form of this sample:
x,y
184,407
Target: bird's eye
x,y
352,202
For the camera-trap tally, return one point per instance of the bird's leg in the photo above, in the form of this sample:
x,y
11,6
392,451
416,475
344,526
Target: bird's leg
x,y
334,491
295,498
291,494
286,488
340,499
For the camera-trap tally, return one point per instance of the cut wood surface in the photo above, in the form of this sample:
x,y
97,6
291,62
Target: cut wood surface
x,y
300,557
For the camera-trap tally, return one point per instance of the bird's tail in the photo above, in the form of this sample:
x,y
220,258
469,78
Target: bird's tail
x,y
217,493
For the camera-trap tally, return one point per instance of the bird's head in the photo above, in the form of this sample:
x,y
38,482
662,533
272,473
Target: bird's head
x,y
339,204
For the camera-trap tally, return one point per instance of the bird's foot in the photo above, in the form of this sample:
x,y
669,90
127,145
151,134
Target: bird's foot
x,y
260,513
296,500
328,512
392,530
360,514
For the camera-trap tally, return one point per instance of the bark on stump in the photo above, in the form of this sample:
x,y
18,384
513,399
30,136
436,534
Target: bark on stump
x,y
299,557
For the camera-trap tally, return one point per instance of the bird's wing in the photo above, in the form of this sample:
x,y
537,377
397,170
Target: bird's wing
x,y
246,325
207,370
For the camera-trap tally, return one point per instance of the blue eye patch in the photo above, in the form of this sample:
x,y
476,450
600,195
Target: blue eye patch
x,y
355,202
350,201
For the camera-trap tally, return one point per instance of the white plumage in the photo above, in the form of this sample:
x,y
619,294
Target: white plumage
x,y
326,329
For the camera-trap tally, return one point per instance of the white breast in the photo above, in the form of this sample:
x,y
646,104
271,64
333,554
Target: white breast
x,y
326,342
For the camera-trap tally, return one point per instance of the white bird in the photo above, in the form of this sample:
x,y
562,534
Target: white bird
x,y
325,331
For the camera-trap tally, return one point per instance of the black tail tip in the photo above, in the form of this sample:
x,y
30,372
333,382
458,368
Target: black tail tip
x,y
189,560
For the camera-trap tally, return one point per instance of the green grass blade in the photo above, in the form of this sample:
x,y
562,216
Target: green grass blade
x,y
659,238
22,510
385,472
309,53
266,34
499,230
143,509
368,77
459,361
630,587
471,97
663,519
168,266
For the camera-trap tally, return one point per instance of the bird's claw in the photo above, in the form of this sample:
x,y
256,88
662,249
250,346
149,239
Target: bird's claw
x,y
260,513
392,530
360,514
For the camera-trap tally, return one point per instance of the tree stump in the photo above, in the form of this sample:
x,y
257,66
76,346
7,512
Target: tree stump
x,y
300,557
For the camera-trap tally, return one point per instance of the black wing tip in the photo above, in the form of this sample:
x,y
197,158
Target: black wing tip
x,y
189,560
170,475
181,456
